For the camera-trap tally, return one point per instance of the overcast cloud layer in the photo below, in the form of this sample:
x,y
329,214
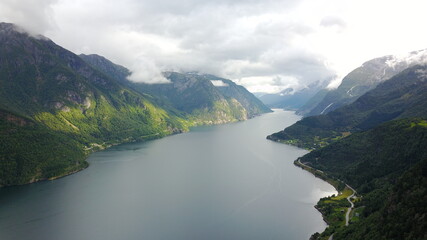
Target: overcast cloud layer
x,y
264,45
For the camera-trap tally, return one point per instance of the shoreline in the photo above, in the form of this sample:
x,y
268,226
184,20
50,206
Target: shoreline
x,y
94,147
342,193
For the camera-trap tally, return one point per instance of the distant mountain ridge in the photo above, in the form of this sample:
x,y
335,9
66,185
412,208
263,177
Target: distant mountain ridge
x,y
404,95
197,96
312,102
193,94
290,98
363,79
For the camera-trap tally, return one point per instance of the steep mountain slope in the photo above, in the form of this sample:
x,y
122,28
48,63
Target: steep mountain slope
x,y
49,97
204,98
312,102
31,151
404,95
56,107
202,101
387,166
401,215
291,98
107,67
365,78
121,74
229,89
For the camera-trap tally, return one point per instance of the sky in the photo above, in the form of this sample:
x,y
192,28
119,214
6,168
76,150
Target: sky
x,y
264,45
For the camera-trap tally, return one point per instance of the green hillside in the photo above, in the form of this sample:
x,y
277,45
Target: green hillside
x,y
191,95
402,96
387,167
57,107
68,107
201,101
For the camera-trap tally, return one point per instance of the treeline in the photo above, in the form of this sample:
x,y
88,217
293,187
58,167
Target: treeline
x,y
387,166
402,96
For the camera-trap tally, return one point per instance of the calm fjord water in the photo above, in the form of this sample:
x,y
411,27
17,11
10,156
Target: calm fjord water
x,y
217,182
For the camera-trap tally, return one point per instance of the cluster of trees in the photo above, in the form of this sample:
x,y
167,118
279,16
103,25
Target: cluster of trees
x,y
387,165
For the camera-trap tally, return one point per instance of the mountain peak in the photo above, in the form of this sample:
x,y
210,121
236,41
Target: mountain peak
x,y
11,29
4,26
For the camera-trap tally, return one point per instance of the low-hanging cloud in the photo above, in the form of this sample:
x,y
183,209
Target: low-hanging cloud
x,y
412,58
233,39
332,21
146,71
219,83
252,42
35,16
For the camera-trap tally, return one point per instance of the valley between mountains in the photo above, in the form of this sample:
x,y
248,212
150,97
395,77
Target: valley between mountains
x,y
368,137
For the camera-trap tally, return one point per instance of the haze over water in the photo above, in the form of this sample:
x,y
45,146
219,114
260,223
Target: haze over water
x,y
216,182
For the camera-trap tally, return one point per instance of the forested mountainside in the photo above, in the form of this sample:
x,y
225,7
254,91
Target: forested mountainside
x,y
377,145
387,166
203,98
56,107
202,101
404,95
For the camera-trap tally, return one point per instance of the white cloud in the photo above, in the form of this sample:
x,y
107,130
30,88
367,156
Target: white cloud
x,y
269,84
334,83
144,70
219,83
35,16
332,21
250,41
416,57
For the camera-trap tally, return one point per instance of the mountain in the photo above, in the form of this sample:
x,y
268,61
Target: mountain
x,y
363,79
121,74
55,109
107,67
312,102
377,145
231,90
203,102
202,98
291,98
404,95
387,166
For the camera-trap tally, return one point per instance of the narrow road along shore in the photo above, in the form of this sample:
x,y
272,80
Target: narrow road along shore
x,y
347,215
